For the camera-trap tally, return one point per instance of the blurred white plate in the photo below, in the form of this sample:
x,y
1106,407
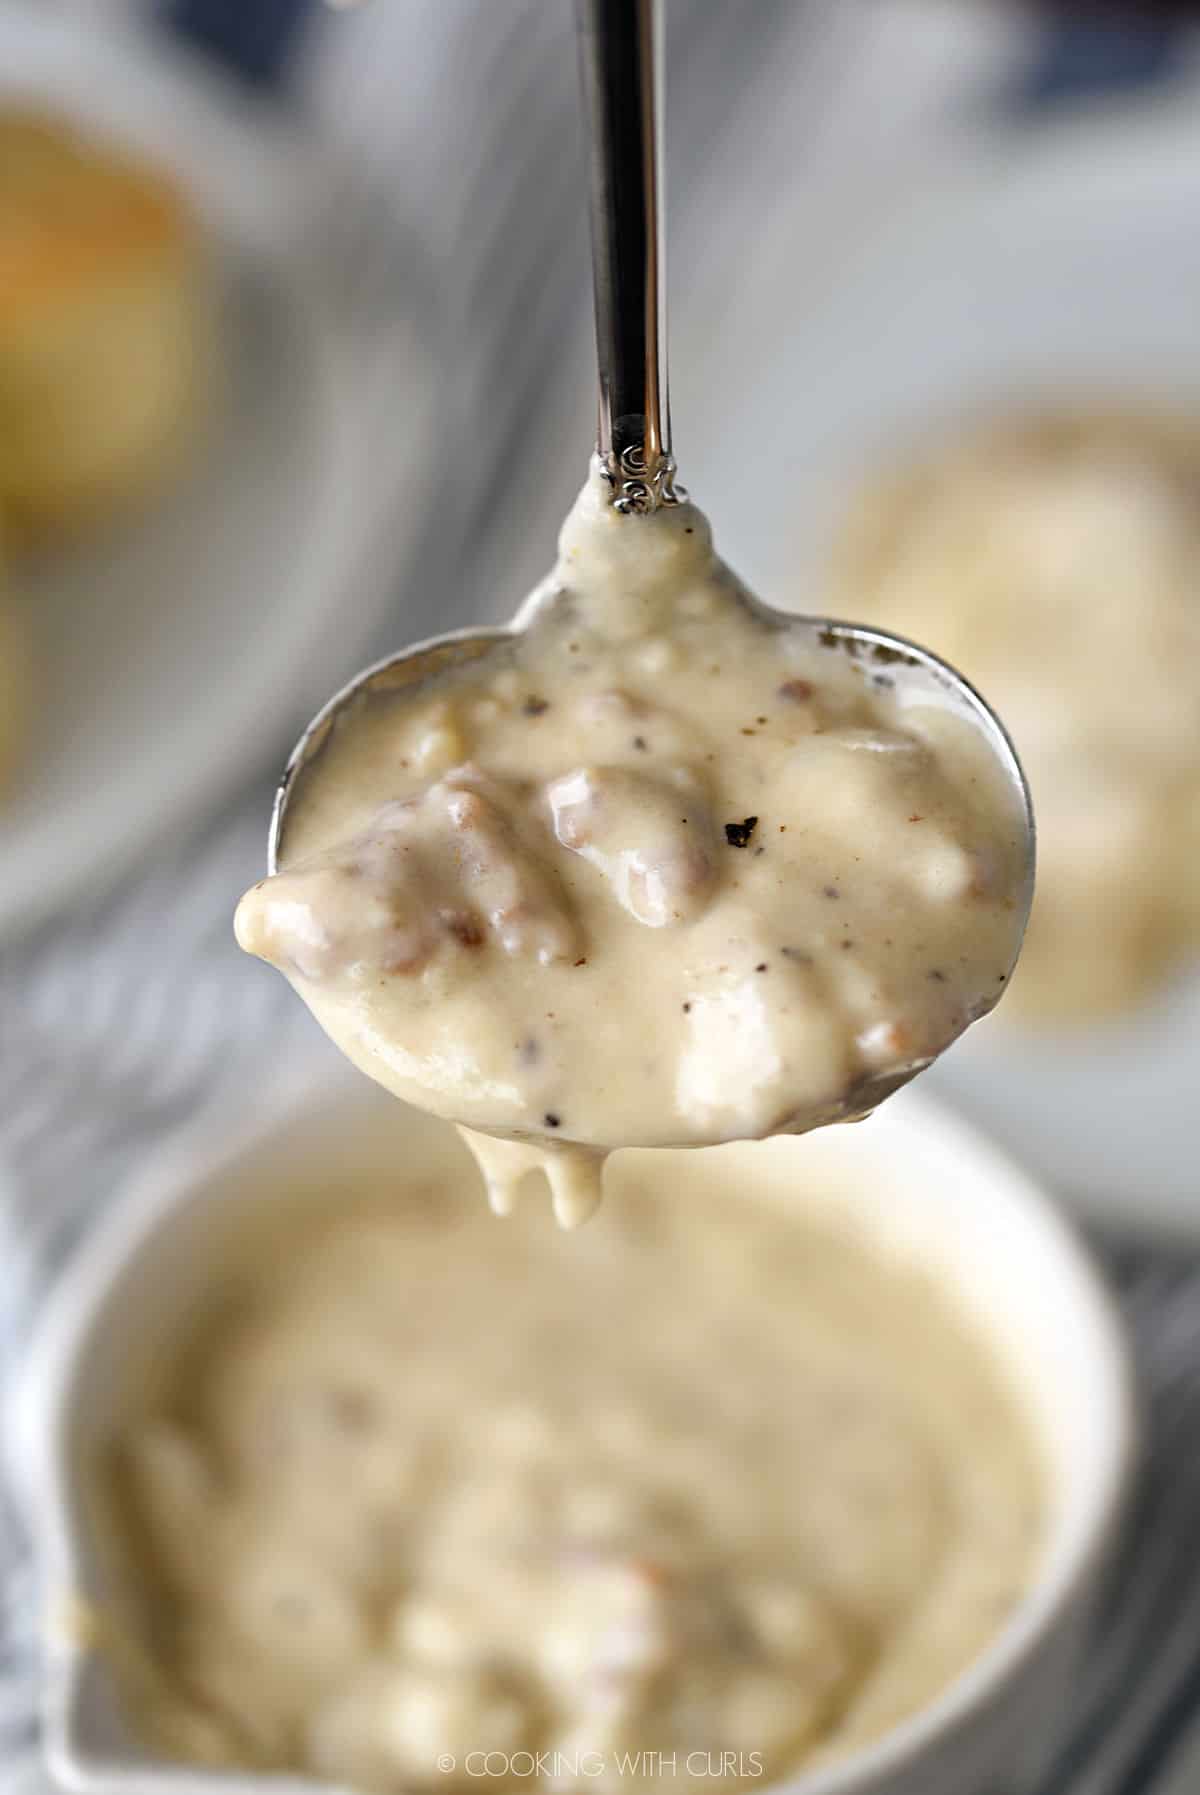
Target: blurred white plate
x,y
1065,258
183,648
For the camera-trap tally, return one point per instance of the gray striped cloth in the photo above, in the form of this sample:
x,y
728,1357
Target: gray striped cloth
x,y
122,1020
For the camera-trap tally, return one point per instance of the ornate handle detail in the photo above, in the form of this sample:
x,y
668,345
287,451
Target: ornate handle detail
x,y
619,59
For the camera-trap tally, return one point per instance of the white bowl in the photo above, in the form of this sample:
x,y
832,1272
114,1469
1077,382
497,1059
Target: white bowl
x,y
922,1181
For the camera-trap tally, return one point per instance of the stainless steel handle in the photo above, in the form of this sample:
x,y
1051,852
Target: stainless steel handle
x,y
620,62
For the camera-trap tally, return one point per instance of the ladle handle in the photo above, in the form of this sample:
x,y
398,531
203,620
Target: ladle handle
x,y
620,62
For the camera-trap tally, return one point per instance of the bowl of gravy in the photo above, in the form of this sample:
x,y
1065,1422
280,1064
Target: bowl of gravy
x,y
796,1469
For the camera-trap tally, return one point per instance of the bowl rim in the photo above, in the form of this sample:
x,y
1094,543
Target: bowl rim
x,y
40,1413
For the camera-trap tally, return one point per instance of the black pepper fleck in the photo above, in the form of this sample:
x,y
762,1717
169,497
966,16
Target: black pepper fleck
x,y
738,834
551,1120
937,975
831,891
535,707
687,1009
761,967
888,657
639,742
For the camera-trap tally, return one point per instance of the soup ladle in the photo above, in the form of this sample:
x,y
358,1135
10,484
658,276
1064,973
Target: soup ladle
x,y
620,63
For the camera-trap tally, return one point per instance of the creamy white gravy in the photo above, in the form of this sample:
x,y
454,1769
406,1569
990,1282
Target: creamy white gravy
x,y
716,1481
652,872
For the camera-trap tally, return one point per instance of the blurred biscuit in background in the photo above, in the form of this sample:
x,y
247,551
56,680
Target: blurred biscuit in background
x,y
1054,557
105,326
